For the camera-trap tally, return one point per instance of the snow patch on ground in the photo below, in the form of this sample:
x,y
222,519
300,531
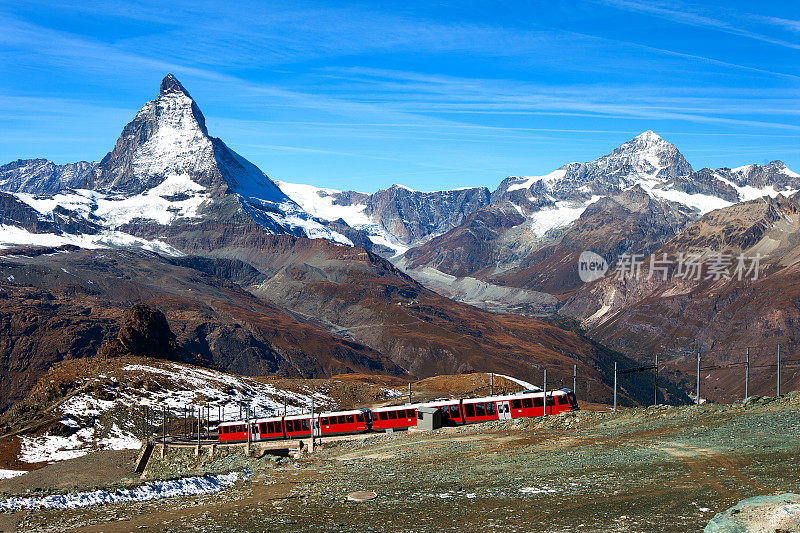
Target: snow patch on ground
x,y
151,491
7,474
119,439
544,489
52,448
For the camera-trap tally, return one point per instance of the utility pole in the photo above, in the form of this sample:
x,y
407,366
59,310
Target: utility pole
x,y
779,370
409,392
615,386
164,424
655,392
697,399
248,429
491,383
312,420
747,375
544,400
575,379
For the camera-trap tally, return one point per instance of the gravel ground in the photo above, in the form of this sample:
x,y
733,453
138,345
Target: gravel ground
x,y
655,469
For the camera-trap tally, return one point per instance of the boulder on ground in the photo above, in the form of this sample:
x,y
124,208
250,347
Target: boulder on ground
x,y
760,513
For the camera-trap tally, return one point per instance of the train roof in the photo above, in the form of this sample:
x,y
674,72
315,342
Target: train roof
x,y
517,396
337,413
392,407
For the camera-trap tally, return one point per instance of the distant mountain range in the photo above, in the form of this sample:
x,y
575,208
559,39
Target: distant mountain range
x,y
253,277
365,268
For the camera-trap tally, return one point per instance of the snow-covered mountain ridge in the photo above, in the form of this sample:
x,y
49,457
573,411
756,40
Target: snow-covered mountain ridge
x,y
165,170
556,199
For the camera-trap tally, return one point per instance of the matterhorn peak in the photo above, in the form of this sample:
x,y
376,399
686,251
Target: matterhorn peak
x,y
171,85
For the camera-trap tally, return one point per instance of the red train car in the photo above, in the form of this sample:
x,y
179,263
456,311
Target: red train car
x,y
232,431
344,422
394,417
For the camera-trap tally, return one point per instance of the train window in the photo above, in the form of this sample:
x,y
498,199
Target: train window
x,y
527,403
516,404
240,429
537,402
359,417
491,409
340,419
264,427
551,400
306,426
562,400
224,429
454,412
469,409
480,409
419,416
383,416
351,419
289,425
392,415
254,428
410,413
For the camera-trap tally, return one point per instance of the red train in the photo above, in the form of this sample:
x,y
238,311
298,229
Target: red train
x,y
396,417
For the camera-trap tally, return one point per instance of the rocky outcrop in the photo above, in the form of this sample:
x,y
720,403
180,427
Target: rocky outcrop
x,y
144,333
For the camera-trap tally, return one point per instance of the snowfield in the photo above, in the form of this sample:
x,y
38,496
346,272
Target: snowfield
x,y
150,491
321,203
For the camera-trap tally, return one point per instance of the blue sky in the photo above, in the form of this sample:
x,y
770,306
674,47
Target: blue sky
x,y
431,95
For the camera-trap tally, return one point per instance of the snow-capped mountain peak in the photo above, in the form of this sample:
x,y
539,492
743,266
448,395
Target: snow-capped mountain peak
x,y
170,84
648,136
164,168
645,156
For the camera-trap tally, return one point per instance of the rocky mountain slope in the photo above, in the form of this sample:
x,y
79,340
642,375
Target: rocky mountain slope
x,y
630,201
390,220
66,303
730,302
